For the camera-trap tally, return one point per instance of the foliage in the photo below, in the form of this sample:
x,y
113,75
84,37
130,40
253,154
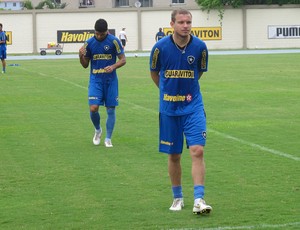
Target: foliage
x,y
208,5
28,5
269,2
49,4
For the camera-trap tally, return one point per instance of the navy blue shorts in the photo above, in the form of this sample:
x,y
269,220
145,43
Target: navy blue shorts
x,y
2,54
173,129
104,92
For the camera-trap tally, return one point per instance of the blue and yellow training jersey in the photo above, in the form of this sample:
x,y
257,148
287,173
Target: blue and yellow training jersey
x,y
179,74
103,53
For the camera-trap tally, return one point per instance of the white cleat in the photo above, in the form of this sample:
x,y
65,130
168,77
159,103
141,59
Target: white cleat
x,y
108,143
97,137
177,204
200,207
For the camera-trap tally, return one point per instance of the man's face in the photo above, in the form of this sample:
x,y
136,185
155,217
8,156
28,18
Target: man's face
x,y
182,25
100,35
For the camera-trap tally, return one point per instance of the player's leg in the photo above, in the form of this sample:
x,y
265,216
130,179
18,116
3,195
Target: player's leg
x,y
111,101
171,142
110,124
198,165
95,99
4,62
174,169
95,118
198,175
195,132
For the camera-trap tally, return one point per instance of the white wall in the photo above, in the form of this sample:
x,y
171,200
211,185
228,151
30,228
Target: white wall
x,y
257,27
254,22
22,31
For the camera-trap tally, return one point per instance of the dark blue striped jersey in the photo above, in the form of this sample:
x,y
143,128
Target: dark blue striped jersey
x,y
179,74
2,38
103,53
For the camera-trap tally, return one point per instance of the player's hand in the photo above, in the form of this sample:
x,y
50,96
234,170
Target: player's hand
x,y
82,51
109,69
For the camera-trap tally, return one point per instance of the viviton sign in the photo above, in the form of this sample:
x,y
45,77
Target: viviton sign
x,y
278,32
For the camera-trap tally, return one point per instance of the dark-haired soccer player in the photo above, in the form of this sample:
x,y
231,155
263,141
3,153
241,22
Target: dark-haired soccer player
x,y
176,64
102,52
159,35
2,48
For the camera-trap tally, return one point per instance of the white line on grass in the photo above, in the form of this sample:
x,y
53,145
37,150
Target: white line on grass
x,y
275,152
72,83
253,145
260,226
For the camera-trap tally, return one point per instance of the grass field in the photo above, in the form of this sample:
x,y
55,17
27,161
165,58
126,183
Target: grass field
x,y
53,177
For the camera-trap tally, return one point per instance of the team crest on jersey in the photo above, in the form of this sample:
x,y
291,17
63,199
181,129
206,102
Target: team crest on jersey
x,y
190,59
189,98
106,47
204,134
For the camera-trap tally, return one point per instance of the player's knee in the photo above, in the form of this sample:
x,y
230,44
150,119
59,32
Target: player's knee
x,y
174,157
94,108
110,110
197,151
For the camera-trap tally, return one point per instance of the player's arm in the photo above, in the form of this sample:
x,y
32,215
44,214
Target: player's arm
x,y
121,61
155,65
155,77
2,39
84,61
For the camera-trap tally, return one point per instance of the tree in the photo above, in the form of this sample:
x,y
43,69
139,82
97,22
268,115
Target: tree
x,y
50,4
28,5
208,5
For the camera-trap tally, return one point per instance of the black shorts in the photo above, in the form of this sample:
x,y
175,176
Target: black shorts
x,y
123,41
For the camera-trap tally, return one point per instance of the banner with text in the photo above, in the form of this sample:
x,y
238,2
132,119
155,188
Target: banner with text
x,y
76,36
204,33
277,32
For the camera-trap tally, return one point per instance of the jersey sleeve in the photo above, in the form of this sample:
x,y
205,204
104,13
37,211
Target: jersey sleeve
x,y
154,59
203,64
118,46
87,46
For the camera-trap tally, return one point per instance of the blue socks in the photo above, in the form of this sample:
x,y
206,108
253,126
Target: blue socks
x,y
95,117
110,122
198,191
177,191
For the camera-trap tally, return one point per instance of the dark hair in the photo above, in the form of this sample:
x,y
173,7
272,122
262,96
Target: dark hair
x,y
101,25
179,11
1,25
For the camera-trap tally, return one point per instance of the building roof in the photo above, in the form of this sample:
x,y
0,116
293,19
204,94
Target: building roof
x,y
12,1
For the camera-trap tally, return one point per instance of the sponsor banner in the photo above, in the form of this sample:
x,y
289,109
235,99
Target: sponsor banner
x,y
76,36
278,32
9,37
204,33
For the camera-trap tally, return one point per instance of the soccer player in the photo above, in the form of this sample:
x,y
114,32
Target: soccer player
x,y
176,64
2,48
159,35
102,52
